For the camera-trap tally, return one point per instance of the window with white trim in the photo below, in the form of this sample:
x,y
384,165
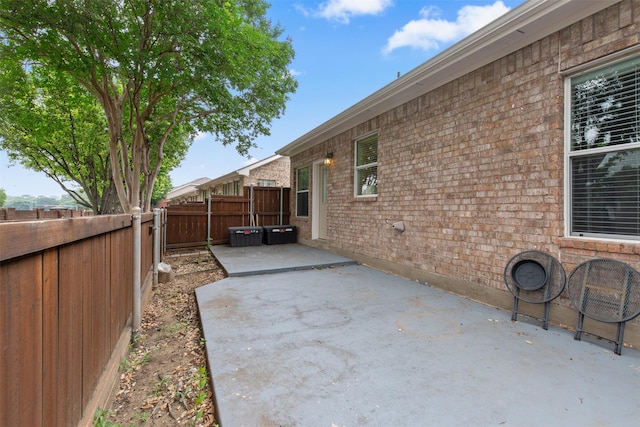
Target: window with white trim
x,y
366,166
603,173
266,183
302,191
231,188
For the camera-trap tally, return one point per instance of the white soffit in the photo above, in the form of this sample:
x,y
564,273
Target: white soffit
x,y
518,28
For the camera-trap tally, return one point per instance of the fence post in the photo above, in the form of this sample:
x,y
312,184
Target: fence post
x,y
281,197
251,218
156,244
164,231
137,219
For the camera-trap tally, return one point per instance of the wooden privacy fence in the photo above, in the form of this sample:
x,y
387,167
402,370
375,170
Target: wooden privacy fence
x,y
187,223
12,214
66,301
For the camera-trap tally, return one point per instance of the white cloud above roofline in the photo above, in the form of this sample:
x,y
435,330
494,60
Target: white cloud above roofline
x,y
430,31
343,10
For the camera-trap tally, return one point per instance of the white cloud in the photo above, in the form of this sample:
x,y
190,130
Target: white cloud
x,y
428,32
200,136
343,10
251,160
305,11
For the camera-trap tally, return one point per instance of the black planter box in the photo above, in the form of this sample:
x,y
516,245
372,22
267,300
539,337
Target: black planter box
x,y
279,234
245,236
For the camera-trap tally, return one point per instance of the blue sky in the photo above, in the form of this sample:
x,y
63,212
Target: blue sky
x,y
345,51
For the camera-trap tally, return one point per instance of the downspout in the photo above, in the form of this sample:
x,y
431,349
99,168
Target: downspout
x,y
136,218
208,216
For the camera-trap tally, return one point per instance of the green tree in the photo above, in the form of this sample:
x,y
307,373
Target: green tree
x,y
68,202
3,197
46,201
161,189
217,66
24,202
51,124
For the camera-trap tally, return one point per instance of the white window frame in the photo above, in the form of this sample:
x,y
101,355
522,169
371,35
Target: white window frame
x,y
356,167
266,183
300,191
570,155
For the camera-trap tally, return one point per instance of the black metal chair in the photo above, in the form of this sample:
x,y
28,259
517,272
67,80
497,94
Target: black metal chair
x,y
534,277
605,290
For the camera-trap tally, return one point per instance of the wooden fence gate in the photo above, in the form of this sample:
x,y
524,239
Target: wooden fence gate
x,y
187,223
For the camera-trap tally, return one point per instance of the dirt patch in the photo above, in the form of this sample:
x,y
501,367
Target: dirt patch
x,y
165,380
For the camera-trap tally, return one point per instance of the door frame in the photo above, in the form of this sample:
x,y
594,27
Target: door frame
x,y
315,198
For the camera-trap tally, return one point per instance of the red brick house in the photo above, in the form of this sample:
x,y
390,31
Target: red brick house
x,y
184,193
274,171
523,136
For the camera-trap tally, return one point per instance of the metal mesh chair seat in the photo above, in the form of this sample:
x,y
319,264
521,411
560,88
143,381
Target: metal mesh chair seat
x,y
534,277
605,290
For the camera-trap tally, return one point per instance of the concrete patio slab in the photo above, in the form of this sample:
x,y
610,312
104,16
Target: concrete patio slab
x,y
252,260
353,346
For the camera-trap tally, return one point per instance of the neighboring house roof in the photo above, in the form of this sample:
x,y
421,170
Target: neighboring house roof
x,y
526,24
245,171
185,189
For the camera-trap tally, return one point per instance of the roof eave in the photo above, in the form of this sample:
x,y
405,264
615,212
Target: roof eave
x,y
518,28
245,171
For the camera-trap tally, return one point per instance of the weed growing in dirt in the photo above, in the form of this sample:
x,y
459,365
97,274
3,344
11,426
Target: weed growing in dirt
x,y
160,386
164,380
135,360
100,419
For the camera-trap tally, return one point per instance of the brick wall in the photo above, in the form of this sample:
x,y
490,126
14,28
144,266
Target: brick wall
x,y
474,168
277,170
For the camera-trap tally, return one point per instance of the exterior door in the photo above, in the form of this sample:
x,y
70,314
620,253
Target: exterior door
x,y
320,195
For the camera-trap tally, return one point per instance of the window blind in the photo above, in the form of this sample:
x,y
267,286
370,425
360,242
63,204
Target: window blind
x,y
605,152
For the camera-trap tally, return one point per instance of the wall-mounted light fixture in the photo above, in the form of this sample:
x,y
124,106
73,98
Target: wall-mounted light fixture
x,y
328,158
